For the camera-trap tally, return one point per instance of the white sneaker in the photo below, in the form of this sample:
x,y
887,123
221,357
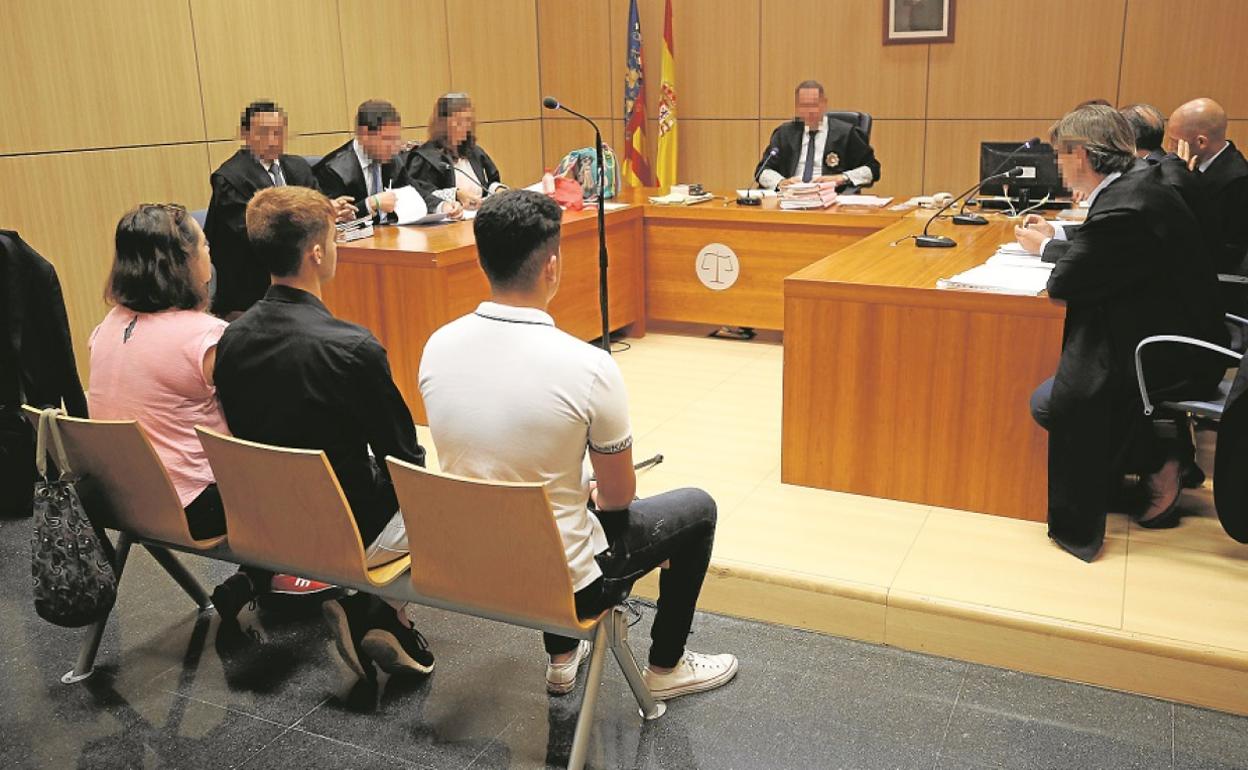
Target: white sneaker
x,y
561,677
695,672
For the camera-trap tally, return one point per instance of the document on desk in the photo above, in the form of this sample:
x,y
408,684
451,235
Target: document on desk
x,y
410,208
1011,270
873,201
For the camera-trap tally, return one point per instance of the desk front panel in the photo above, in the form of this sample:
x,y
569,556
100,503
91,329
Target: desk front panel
x,y
917,394
769,245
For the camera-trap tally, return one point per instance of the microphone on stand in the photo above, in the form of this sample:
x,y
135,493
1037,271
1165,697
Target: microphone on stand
x,y
944,241
748,199
551,103
963,218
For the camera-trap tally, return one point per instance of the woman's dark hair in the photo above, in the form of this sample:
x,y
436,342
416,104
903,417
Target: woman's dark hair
x,y
439,123
152,266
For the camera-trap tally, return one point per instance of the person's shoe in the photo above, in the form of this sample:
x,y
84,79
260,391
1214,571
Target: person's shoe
x,y
694,673
1164,489
230,597
289,585
396,648
348,620
561,677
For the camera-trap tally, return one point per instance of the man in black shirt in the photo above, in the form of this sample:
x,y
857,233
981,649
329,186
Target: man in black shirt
x,y
289,373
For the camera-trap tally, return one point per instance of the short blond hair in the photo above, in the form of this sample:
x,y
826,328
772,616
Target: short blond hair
x,y
1104,133
284,222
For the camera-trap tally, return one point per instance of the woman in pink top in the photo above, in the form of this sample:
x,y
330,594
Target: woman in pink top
x,y
152,361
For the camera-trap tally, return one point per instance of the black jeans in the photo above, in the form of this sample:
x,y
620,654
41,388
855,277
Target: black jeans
x,y
677,526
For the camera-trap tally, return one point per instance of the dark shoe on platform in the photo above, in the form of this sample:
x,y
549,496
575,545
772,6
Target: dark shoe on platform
x,y
1163,507
347,619
397,649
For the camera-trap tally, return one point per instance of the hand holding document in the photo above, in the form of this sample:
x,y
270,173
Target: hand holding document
x,y
410,208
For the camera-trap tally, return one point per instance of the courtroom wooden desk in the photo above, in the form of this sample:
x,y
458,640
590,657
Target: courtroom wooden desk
x,y
769,244
894,388
406,282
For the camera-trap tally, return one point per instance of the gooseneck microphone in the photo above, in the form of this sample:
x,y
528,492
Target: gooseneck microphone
x,y
963,218
748,199
944,241
551,103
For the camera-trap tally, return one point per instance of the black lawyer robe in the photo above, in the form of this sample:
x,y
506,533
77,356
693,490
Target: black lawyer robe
x,y
846,145
242,279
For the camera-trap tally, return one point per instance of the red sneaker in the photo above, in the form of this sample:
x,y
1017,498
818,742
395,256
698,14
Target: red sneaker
x,y
290,585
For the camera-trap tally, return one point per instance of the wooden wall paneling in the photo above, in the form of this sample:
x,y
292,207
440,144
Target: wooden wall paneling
x,y
494,51
516,147
898,145
1237,132
37,190
287,50
721,154
1022,59
837,42
951,159
76,75
396,50
575,43
309,144
1177,52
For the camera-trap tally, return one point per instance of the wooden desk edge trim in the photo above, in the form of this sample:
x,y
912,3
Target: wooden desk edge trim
x,y
911,296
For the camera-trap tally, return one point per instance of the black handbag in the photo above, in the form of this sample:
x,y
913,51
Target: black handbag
x,y
70,560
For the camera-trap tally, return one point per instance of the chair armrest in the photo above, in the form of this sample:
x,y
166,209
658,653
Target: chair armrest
x,y
1178,339
1240,320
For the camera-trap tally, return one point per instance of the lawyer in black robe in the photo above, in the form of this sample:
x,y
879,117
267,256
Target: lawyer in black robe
x,y
1124,276
241,278
845,148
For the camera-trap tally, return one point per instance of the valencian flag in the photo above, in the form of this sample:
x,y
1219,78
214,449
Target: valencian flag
x,y
636,169
665,164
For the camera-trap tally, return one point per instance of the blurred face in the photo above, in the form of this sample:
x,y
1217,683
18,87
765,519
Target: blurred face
x,y
457,126
382,144
810,107
1072,163
1178,129
266,138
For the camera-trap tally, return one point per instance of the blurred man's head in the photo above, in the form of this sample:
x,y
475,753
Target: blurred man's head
x,y
517,234
1202,124
1149,126
263,127
292,230
378,128
810,104
1092,142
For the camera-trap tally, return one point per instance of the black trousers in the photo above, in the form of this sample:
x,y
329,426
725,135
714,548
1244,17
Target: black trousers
x,y
205,517
17,464
678,527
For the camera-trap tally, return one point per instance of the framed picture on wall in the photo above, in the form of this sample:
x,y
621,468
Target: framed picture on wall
x,y
918,21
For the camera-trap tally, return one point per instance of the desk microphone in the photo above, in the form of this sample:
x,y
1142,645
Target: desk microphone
x,y
963,218
750,200
447,166
944,241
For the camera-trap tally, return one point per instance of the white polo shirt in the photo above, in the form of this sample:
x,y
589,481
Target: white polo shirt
x,y
512,398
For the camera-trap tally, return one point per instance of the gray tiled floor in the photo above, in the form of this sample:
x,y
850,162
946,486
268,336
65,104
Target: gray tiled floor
x,y
167,694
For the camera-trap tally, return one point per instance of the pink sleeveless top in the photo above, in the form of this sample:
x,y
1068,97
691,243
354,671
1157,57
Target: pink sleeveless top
x,y
150,367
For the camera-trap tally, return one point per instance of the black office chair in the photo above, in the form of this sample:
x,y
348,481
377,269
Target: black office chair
x,y
860,120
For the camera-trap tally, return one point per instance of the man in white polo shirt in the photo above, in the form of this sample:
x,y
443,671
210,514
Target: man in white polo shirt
x,y
512,398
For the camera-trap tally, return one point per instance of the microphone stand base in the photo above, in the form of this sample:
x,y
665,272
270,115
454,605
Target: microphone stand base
x,y
934,242
749,201
969,219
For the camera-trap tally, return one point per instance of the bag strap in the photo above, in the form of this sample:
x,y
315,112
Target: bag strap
x,y
49,429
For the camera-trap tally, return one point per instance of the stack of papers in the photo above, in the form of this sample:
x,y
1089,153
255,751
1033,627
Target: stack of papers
x,y
873,201
1009,271
677,199
808,195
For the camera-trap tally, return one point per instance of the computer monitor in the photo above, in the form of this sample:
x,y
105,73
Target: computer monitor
x,y
1039,163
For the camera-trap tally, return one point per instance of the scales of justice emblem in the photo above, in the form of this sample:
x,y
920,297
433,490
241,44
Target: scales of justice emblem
x,y
717,266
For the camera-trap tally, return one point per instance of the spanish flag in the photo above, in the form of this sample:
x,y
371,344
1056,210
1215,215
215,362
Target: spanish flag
x,y
665,165
635,168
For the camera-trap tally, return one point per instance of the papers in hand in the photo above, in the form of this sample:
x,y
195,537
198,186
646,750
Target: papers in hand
x,y
1010,271
410,208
